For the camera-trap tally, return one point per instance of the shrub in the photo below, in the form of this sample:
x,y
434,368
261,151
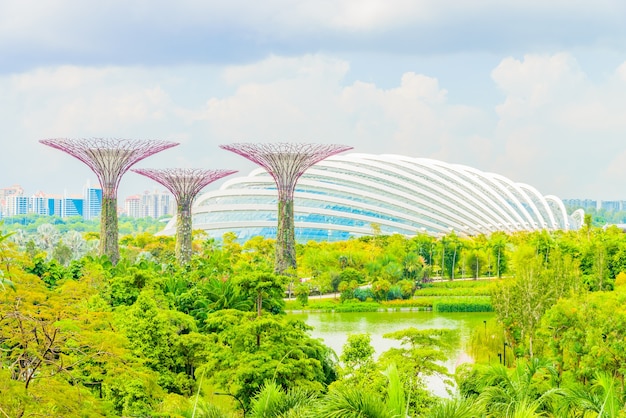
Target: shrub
x,y
463,306
363,294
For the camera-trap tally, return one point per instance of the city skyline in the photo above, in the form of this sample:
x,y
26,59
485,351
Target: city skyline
x,y
535,91
155,202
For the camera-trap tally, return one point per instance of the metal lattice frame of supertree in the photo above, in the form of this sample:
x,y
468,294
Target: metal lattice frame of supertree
x,y
185,184
285,162
109,159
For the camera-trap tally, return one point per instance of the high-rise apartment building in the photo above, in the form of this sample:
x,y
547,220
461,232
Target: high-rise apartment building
x,y
581,203
73,206
15,190
93,202
17,205
13,202
132,206
156,204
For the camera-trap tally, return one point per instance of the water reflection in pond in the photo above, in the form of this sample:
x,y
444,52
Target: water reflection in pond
x,y
334,328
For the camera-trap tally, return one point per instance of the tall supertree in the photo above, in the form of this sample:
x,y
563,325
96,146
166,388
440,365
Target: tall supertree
x,y
109,159
185,184
285,162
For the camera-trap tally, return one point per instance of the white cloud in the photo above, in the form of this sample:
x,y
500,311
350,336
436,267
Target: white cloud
x,y
120,32
555,128
559,128
535,81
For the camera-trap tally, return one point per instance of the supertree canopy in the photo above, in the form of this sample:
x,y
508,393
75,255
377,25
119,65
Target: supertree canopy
x,y
285,162
185,184
109,159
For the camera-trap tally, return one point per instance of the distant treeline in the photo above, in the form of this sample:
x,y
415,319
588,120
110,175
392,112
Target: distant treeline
x,y
29,224
601,217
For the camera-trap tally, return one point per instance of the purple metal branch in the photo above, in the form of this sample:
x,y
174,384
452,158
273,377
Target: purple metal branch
x,y
108,158
184,183
285,162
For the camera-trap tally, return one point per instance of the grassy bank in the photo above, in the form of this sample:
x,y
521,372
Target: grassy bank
x,y
435,303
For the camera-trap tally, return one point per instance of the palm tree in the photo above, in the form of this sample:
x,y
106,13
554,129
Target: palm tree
x,y
413,266
356,401
47,237
526,390
273,402
456,408
348,402
203,409
19,237
602,400
217,294
76,243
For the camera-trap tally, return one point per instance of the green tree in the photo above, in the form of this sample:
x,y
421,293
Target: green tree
x,y
584,334
520,303
421,354
248,350
263,288
358,351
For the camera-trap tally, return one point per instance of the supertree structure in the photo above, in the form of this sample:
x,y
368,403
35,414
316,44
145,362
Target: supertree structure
x,y
185,184
285,162
109,159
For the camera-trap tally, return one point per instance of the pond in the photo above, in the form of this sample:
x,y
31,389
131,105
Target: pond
x,y
334,328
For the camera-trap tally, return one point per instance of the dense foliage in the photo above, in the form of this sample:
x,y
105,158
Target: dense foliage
x,y
145,337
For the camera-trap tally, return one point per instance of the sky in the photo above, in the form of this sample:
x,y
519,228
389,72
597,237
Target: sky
x,y
534,90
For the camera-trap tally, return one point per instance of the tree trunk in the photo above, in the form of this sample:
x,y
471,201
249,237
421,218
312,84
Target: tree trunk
x,y
183,233
285,238
109,245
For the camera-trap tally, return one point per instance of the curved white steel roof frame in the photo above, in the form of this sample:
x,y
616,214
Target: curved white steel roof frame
x,y
453,171
520,206
448,197
372,195
470,198
299,196
503,226
452,202
373,186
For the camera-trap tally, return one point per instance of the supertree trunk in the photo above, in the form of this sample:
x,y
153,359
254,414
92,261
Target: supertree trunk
x,y
109,159
285,162
285,237
108,228
185,184
183,233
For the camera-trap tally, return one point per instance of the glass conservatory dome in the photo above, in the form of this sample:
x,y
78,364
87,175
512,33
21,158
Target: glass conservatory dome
x,y
355,194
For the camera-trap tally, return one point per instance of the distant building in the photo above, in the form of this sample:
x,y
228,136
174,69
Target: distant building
x,y
607,205
156,204
54,205
22,205
93,202
38,204
611,205
73,206
13,203
15,190
150,204
581,203
132,206
17,205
